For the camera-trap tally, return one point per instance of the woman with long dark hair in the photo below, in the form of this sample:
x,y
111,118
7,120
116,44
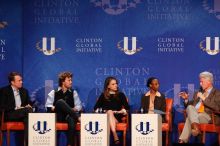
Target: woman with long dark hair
x,y
114,103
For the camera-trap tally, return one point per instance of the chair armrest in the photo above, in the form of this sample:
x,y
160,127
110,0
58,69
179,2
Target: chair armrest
x,y
216,112
168,118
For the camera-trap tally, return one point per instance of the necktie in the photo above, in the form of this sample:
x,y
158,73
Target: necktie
x,y
201,107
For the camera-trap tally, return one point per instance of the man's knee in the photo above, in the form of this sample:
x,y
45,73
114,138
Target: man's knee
x,y
204,119
60,102
110,112
189,108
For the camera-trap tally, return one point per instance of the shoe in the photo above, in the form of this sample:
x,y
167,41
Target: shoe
x,y
195,129
181,141
117,142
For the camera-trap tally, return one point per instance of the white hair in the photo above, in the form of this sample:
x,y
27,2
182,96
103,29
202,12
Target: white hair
x,y
206,75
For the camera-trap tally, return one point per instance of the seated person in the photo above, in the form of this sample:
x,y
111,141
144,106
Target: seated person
x,y
199,109
16,102
153,99
66,104
114,103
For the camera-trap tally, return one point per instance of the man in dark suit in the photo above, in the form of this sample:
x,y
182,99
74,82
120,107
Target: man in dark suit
x,y
16,103
201,107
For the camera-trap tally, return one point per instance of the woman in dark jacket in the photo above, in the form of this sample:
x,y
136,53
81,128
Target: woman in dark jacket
x,y
114,103
153,99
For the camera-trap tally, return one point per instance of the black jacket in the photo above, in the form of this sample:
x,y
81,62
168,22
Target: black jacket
x,y
159,103
8,99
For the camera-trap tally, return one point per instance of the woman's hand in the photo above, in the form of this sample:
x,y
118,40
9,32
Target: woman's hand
x,y
53,108
122,111
184,95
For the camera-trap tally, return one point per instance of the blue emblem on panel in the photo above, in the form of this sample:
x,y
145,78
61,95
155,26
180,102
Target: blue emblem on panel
x,y
144,128
93,127
41,127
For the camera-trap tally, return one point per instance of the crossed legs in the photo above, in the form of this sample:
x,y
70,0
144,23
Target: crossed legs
x,y
112,122
192,117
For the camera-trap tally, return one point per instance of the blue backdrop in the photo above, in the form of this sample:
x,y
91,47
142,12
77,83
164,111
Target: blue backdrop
x,y
132,40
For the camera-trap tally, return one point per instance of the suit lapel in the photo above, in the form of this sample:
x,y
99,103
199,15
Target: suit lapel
x,y
11,94
147,101
211,94
22,95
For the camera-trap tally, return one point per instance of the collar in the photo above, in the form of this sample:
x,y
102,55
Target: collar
x,y
14,89
157,94
59,88
209,90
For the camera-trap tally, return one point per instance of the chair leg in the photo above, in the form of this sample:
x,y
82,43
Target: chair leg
x,y
219,138
1,135
75,142
124,138
167,138
179,131
8,137
203,137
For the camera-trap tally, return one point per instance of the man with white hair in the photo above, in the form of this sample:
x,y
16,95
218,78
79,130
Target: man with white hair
x,y
204,102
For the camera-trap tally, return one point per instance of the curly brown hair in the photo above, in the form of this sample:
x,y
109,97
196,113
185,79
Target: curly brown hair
x,y
62,76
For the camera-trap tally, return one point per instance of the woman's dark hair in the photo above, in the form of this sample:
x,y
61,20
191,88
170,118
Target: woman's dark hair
x,y
106,90
149,81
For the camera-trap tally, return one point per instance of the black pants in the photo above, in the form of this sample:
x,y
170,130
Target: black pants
x,y
66,114
20,115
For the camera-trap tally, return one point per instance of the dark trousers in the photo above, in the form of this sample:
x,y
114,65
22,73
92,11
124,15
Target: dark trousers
x,y
66,114
20,115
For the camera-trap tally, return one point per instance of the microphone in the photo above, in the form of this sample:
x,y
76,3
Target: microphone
x,y
201,89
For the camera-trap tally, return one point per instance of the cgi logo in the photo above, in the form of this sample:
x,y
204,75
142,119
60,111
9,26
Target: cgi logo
x,y
41,127
213,7
207,47
115,7
144,128
125,48
44,45
93,128
3,24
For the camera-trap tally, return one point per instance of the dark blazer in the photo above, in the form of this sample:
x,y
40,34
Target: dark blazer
x,y
211,103
8,99
159,103
1,99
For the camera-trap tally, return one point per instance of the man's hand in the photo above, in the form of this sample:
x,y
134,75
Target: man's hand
x,y
19,107
201,96
122,111
184,95
28,106
74,109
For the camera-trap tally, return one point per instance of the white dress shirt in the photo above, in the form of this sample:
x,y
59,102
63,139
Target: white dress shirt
x,y
77,101
17,97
